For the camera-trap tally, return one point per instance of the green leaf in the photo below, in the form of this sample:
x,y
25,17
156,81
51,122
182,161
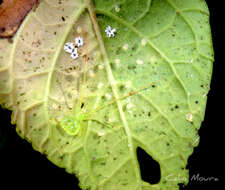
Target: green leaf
x,y
146,87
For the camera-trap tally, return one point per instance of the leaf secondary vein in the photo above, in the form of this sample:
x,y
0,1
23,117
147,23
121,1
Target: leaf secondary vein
x,y
57,53
170,62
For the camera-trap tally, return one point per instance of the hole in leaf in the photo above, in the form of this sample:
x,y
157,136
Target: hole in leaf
x,y
150,169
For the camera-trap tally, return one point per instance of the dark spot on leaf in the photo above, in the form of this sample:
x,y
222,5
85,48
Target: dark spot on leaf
x,y
118,51
134,48
131,67
10,40
150,169
121,87
61,157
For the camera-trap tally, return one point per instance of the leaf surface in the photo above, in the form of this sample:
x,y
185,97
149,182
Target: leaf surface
x,y
146,87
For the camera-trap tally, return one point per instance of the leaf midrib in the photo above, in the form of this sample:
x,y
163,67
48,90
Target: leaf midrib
x,y
111,79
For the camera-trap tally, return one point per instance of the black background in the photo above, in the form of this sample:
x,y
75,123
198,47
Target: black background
x,y
25,168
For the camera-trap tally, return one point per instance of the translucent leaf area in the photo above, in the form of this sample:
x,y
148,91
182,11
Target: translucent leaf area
x,y
145,87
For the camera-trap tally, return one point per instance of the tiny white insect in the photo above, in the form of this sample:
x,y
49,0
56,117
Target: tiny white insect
x,y
117,61
91,73
108,29
139,62
128,84
69,47
100,134
125,47
129,106
143,42
79,29
108,96
79,41
74,54
189,117
100,85
110,32
117,8
101,66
